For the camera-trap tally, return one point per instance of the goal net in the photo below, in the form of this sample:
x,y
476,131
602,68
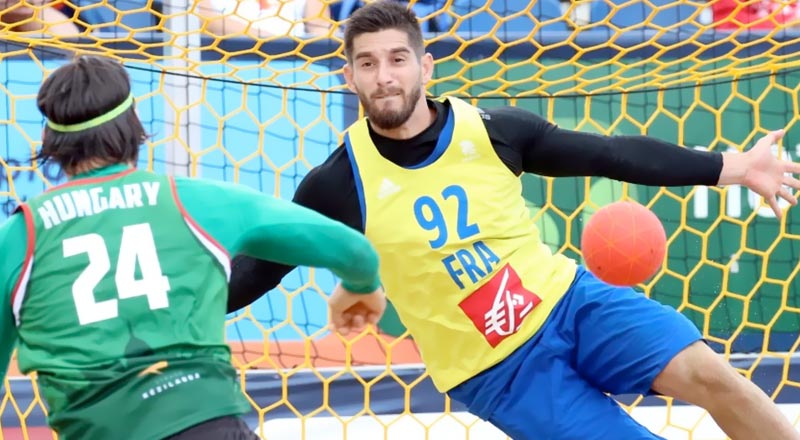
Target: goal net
x,y
252,92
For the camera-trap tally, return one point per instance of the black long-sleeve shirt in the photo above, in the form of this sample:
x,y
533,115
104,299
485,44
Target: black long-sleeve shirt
x,y
524,141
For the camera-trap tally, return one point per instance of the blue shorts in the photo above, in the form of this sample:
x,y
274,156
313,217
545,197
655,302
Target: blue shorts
x,y
599,339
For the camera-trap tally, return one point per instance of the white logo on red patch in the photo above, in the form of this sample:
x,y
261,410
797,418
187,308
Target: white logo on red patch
x,y
498,308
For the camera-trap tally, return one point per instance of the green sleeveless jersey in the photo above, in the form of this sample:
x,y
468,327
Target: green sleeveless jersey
x,y
121,310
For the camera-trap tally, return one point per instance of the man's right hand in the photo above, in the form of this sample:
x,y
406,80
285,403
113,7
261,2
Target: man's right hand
x,y
350,311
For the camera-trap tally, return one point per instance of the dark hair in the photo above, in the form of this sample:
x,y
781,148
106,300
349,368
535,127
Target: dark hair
x,y
85,88
379,16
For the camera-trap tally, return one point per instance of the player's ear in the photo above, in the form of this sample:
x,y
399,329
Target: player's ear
x,y
427,67
348,77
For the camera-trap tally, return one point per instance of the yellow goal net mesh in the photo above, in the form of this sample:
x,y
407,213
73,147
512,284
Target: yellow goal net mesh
x,y
251,91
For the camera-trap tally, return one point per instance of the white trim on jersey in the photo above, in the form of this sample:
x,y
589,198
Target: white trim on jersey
x,y
19,295
218,253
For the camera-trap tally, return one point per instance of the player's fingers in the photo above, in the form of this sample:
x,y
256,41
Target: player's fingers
x,y
773,203
792,167
791,181
342,330
339,322
788,196
358,322
775,136
335,328
770,139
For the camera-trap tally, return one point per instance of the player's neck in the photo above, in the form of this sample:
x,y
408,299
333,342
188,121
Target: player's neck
x,y
88,166
422,118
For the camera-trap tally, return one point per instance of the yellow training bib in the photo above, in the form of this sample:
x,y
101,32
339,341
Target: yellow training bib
x,y
461,258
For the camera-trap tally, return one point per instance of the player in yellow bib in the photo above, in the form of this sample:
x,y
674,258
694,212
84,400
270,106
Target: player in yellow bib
x,y
526,339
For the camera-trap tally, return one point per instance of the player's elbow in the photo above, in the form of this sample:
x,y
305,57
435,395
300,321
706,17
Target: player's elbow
x,y
360,269
363,257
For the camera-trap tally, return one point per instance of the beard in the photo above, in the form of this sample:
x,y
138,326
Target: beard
x,y
390,118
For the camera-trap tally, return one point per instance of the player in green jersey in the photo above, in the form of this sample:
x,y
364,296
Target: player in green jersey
x,y
115,282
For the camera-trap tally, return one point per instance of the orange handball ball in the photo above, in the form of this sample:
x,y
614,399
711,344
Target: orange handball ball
x,y
624,243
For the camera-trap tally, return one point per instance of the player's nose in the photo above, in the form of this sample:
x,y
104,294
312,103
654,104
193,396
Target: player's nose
x,y
385,77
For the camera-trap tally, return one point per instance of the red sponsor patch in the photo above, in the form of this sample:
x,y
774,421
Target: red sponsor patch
x,y
498,308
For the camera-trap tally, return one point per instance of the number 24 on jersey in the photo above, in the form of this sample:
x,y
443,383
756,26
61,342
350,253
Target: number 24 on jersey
x,y
136,247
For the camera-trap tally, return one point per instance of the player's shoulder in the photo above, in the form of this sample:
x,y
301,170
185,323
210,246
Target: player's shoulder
x,y
333,171
515,126
328,182
506,117
507,113
337,162
189,181
204,188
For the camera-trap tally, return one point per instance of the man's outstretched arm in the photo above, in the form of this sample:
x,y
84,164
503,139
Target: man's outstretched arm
x,y
268,237
545,149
